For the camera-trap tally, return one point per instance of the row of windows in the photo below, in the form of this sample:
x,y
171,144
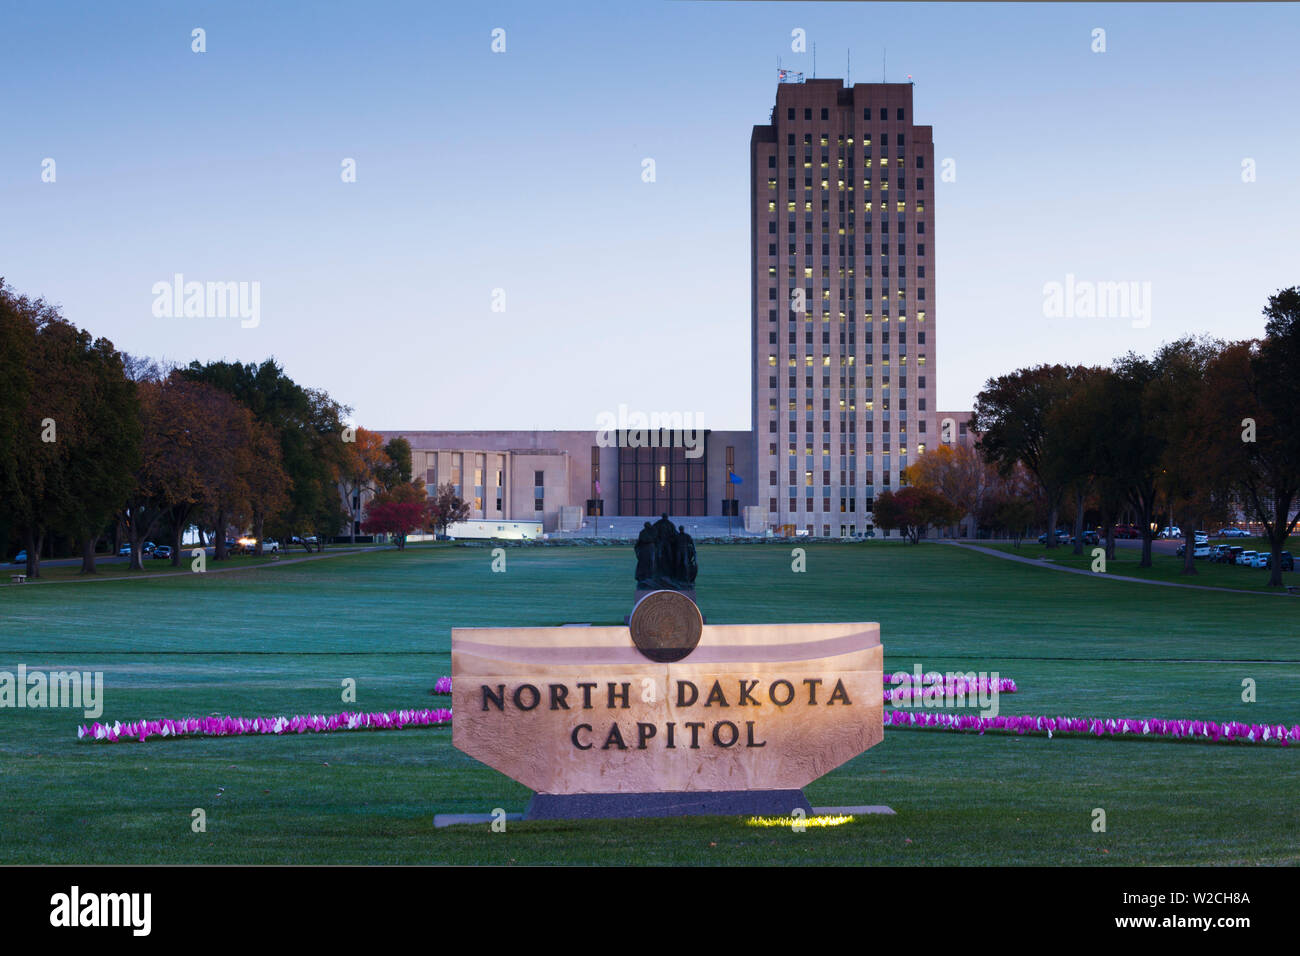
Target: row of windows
x,y
824,140
900,209
866,113
826,317
826,271
826,249
826,294
826,184
844,161
810,434
840,229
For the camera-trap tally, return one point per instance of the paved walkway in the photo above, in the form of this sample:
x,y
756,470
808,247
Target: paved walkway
x,y
1039,563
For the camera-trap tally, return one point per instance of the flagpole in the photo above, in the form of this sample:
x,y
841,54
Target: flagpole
x,y
732,491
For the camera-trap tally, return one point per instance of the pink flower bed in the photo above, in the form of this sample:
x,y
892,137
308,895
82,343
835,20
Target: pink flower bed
x,y
238,726
1203,731
1198,730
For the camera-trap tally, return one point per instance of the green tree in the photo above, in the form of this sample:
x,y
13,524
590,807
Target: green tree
x,y
1012,416
308,426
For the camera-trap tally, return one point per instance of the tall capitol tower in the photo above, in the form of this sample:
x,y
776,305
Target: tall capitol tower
x,y
843,323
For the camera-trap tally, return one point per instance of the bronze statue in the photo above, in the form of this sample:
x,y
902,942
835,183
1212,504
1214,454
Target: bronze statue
x,y
665,557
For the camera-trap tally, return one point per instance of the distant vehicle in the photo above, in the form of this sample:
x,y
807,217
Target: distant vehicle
x,y
162,551
1261,559
1233,533
1201,537
1285,561
1127,531
1202,550
20,558
124,551
1218,552
1062,537
270,546
148,547
1246,558
1170,532
1231,555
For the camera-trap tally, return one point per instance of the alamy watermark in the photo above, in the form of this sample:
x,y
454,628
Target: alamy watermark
x,y
208,300
636,429
1085,299
37,688
951,689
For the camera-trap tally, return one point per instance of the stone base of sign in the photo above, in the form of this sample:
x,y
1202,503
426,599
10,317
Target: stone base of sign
x,y
717,803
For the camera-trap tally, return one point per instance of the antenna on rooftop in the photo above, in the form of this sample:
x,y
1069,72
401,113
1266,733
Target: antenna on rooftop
x,y
848,67
814,59
884,58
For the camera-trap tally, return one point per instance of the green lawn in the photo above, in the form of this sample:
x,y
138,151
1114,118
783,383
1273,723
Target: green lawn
x,y
1164,567
279,640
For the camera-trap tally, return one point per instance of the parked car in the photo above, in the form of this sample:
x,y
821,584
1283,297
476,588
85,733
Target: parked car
x,y
1218,552
1200,537
1062,537
163,551
1127,531
1170,532
1089,537
1285,561
1234,552
1246,558
20,558
1232,533
1202,550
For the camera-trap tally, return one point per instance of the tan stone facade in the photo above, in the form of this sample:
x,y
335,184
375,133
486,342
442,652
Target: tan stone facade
x,y
527,475
844,315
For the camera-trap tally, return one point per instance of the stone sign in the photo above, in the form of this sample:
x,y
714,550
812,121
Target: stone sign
x,y
591,710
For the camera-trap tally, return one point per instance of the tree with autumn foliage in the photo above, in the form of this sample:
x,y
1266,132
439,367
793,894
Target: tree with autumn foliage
x,y
1253,422
308,426
68,435
959,474
397,511
363,461
446,508
182,422
913,510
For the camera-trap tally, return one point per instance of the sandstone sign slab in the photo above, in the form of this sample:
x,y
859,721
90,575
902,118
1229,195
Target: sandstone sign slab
x,y
584,711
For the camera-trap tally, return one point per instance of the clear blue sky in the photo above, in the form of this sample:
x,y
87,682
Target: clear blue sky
x,y
522,171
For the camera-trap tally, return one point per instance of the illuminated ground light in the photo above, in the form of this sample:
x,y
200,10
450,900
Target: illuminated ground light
x,y
826,821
